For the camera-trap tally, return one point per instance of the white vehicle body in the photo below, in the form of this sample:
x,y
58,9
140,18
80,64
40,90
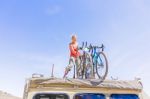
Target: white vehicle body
x,y
71,87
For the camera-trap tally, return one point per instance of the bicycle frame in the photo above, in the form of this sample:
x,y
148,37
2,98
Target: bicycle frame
x,y
85,62
95,56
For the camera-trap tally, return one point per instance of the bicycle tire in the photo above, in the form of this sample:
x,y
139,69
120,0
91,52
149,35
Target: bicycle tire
x,y
96,82
89,67
106,66
83,65
80,68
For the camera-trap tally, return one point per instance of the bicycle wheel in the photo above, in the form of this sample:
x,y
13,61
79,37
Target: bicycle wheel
x,y
88,67
80,68
85,70
100,71
102,66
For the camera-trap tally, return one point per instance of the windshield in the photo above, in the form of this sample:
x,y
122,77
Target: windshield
x,y
89,96
51,96
124,96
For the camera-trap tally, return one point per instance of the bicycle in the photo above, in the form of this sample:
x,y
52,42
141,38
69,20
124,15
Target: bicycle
x,y
100,64
85,69
92,63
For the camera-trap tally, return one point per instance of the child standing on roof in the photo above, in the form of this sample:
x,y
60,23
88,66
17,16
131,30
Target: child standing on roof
x,y
73,46
74,55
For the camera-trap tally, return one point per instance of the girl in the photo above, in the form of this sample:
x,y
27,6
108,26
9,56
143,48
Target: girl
x,y
74,56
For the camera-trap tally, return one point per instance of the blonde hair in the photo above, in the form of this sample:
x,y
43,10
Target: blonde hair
x,y
73,36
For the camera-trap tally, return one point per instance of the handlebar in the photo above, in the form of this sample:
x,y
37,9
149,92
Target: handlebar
x,y
99,47
90,47
85,45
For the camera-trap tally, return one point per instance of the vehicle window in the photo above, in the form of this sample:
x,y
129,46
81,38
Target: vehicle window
x,y
51,96
124,96
89,96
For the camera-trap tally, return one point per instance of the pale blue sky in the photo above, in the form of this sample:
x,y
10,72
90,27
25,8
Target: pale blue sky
x,y
34,34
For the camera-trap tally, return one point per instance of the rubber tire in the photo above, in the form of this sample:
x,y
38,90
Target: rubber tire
x,y
106,72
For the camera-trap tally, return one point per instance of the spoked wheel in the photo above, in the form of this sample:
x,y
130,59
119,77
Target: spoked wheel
x,y
83,65
80,68
101,69
85,70
102,66
89,67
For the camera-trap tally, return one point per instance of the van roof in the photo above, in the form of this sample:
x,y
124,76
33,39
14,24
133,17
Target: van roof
x,y
83,83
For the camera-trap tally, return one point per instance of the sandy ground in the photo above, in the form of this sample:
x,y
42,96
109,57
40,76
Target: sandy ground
x,y
4,95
